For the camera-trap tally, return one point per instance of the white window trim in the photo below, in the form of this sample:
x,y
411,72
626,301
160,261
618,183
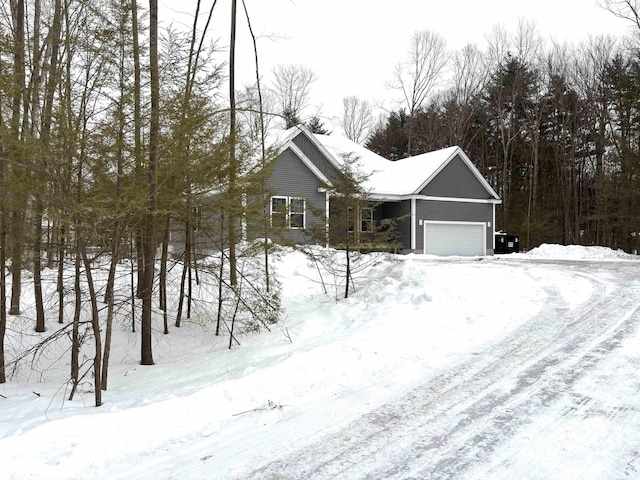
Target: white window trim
x,y
369,219
288,212
304,213
271,211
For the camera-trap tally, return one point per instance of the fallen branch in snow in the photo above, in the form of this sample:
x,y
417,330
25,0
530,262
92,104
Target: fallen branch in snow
x,y
285,331
269,406
1,395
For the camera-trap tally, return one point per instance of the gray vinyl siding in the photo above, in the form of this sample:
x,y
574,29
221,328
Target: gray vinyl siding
x,y
292,178
207,232
401,211
456,180
316,156
453,212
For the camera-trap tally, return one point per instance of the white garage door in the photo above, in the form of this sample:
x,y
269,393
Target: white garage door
x,y
454,238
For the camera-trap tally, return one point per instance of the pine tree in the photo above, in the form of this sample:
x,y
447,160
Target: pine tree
x,y
315,125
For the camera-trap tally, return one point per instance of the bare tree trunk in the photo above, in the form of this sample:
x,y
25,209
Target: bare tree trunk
x,y
220,273
185,265
108,331
149,239
17,11
110,300
233,278
52,236
133,284
52,82
163,274
35,76
3,261
38,207
348,272
233,318
16,262
37,265
190,276
75,331
60,282
3,293
95,324
3,256
137,128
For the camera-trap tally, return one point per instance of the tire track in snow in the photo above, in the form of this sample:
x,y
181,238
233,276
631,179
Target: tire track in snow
x,y
453,422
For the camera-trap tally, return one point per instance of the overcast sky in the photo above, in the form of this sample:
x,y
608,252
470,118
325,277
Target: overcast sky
x,y
353,45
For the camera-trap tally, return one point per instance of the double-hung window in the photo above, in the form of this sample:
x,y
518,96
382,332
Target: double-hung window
x,y
296,212
288,212
366,219
279,212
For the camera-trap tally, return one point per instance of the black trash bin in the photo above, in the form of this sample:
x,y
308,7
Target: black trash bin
x,y
506,243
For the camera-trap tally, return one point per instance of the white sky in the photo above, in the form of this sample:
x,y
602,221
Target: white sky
x,y
353,45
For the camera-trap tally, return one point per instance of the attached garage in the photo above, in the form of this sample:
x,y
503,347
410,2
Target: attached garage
x,y
455,238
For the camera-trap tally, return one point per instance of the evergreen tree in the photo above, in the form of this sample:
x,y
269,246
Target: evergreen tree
x,y
315,125
390,138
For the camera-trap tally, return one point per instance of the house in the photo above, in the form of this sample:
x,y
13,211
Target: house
x,y
443,204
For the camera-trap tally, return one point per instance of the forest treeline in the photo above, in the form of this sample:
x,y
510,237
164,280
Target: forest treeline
x,y
116,139
553,127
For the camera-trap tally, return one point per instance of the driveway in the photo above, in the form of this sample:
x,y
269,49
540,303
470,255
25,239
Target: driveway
x,y
557,398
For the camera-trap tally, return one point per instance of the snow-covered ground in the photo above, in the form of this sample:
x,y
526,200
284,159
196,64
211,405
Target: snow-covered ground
x,y
516,366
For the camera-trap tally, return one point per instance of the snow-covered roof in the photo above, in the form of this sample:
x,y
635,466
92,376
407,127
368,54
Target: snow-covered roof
x,y
387,178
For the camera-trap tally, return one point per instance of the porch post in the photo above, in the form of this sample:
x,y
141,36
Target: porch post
x,y
493,233
326,222
413,224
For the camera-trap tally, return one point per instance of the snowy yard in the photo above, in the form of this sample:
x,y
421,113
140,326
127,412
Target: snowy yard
x,y
523,366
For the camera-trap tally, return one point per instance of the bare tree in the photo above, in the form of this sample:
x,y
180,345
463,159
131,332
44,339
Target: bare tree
x,y
257,108
514,59
498,46
357,118
592,61
626,9
470,73
291,85
417,76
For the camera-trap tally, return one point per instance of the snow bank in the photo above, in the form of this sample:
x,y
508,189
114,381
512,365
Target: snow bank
x,y
578,252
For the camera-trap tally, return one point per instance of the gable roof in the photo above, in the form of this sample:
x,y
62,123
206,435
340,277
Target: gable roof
x,y
388,179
